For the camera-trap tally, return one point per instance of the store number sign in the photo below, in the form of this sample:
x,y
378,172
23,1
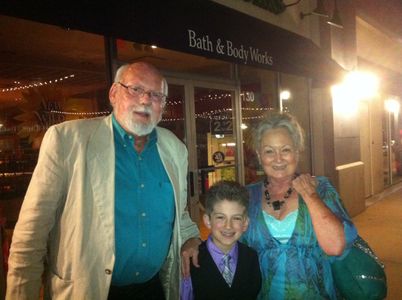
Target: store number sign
x,y
222,126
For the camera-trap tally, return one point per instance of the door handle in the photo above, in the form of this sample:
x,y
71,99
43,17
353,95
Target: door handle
x,y
191,182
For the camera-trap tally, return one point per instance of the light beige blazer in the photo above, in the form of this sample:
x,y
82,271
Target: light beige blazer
x,y
67,217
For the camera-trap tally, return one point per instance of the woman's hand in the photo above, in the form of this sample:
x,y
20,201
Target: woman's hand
x,y
305,185
327,227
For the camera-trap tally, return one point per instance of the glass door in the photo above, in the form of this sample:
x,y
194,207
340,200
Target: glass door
x,y
215,137
173,116
202,115
392,147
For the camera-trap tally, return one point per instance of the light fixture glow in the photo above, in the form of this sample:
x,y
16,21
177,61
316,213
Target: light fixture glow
x,y
228,144
392,105
285,95
361,85
243,126
344,104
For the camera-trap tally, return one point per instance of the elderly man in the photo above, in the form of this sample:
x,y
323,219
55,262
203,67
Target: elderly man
x,y
105,212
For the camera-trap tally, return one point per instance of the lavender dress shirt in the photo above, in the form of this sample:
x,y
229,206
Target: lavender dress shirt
x,y
186,289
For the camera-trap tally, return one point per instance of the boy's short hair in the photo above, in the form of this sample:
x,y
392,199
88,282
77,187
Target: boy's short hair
x,y
226,190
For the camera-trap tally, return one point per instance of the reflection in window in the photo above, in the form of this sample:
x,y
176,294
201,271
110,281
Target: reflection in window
x,y
216,155
258,96
48,75
298,105
173,115
260,90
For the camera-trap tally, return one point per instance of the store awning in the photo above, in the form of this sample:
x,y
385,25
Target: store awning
x,y
202,28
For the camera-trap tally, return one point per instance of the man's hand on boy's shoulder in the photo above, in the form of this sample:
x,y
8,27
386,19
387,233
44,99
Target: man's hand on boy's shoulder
x,y
189,250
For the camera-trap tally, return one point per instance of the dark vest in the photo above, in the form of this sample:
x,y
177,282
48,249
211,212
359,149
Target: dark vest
x,y
208,282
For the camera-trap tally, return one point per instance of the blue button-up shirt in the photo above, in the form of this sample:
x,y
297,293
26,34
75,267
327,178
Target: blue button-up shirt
x,y
144,209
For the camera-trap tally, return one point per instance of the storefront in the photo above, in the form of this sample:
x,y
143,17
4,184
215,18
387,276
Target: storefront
x,y
390,122
224,70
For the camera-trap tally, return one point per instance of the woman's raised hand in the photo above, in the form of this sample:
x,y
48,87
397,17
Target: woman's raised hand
x,y
305,185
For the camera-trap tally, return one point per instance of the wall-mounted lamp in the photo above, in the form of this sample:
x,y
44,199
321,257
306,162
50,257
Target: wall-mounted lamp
x,y
321,12
320,9
336,19
302,15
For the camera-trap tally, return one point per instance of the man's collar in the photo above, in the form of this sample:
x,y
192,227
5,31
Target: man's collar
x,y
123,133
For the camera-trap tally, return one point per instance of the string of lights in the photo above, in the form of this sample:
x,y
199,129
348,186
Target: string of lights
x,y
36,84
213,114
80,113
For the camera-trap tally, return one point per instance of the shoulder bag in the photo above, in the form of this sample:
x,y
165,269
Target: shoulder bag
x,y
360,274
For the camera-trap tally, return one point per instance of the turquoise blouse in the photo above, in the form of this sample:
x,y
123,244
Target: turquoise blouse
x,y
298,269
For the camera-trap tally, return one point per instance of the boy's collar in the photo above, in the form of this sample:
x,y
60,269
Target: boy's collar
x,y
215,249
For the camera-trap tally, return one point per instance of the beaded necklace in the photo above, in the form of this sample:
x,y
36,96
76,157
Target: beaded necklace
x,y
277,204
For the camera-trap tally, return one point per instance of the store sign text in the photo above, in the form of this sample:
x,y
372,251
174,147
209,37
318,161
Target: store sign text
x,y
228,48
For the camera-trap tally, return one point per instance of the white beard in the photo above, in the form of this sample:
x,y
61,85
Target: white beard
x,y
140,129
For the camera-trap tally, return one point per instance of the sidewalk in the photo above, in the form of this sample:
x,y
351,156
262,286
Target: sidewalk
x,y
381,226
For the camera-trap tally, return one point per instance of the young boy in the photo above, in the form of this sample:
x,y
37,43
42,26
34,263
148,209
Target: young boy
x,y
226,216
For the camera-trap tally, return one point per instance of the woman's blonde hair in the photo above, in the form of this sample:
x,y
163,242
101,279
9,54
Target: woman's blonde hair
x,y
274,120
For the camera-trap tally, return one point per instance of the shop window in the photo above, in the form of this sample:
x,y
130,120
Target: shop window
x,y
392,141
174,65
260,93
298,104
173,114
48,75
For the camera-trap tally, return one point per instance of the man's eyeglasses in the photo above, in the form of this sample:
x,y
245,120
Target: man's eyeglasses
x,y
138,91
